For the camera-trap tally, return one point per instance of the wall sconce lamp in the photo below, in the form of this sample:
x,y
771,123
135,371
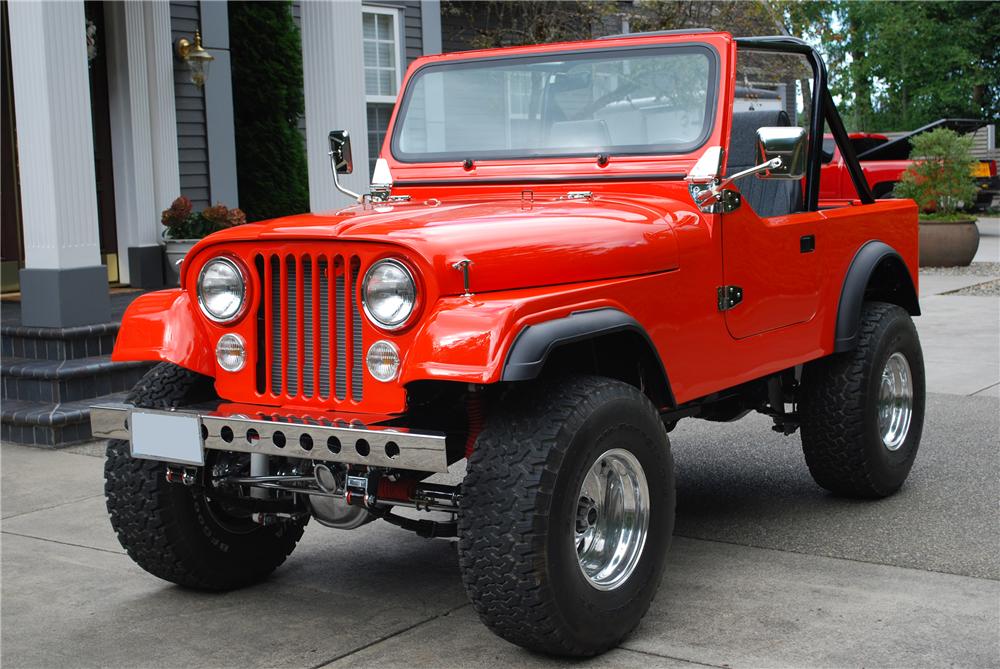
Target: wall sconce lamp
x,y
196,57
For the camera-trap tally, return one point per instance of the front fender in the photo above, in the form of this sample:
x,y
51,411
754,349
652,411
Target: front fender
x,y
162,327
469,337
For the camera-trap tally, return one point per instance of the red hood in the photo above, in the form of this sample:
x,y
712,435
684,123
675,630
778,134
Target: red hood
x,y
511,243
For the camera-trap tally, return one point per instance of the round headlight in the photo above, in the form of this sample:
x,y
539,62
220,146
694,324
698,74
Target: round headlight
x,y
389,294
221,289
383,360
231,352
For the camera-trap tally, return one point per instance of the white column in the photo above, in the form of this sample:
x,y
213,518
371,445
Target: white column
x,y
219,120
430,26
143,128
162,109
131,145
333,67
54,134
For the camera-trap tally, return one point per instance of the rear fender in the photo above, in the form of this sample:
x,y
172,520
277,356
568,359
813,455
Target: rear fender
x,y
877,272
162,327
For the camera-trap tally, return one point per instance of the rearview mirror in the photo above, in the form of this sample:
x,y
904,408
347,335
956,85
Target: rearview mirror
x,y
786,143
340,151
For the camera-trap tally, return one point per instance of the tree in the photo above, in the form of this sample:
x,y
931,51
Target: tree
x,y
498,23
901,65
267,104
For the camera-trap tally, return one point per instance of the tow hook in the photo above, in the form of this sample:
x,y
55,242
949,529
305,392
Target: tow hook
x,y
181,475
356,490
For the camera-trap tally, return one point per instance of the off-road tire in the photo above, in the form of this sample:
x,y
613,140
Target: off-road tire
x,y
516,552
839,408
169,529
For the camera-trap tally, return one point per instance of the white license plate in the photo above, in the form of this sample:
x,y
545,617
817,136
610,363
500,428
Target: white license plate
x,y
167,436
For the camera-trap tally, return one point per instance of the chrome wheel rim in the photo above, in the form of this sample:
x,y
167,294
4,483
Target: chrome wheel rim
x,y
895,401
612,519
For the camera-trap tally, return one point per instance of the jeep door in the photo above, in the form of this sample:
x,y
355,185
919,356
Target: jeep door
x,y
770,247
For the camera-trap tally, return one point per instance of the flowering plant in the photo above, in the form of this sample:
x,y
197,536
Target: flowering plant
x,y
182,222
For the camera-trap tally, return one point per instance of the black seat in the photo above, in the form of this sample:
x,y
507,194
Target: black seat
x,y
768,197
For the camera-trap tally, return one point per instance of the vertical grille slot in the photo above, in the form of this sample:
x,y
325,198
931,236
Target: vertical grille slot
x,y
292,366
308,334
340,317
323,292
357,373
275,334
310,330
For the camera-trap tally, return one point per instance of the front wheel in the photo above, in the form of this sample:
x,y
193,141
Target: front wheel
x,y
862,411
175,532
567,513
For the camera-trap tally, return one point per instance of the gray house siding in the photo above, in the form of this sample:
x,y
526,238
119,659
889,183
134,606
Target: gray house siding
x,y
412,30
192,134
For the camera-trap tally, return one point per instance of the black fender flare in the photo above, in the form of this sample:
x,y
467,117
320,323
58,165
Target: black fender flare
x,y
534,343
872,257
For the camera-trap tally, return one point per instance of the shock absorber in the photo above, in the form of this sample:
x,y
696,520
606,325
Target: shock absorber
x,y
475,412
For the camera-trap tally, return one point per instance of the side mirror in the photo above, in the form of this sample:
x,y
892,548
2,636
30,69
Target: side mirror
x,y
788,144
340,151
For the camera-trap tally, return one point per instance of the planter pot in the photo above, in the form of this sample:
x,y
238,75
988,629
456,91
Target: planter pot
x,y
175,250
948,243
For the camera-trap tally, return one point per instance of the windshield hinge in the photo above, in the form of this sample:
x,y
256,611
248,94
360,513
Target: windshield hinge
x,y
710,199
728,297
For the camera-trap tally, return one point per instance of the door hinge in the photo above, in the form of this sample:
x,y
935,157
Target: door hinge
x,y
728,297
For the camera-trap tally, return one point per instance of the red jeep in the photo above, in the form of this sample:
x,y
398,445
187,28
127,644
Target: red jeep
x,y
566,249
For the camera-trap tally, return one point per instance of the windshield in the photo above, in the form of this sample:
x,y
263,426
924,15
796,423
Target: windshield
x,y
615,101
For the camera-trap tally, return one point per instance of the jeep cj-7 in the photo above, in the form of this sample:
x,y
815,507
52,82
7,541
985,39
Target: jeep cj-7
x,y
566,248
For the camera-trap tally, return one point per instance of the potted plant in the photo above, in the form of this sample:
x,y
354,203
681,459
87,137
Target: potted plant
x,y
940,182
183,228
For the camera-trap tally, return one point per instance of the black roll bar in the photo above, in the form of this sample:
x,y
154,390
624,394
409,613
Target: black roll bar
x,y
823,110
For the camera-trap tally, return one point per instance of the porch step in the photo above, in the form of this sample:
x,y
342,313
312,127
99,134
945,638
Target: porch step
x,y
52,424
57,381
49,377
19,341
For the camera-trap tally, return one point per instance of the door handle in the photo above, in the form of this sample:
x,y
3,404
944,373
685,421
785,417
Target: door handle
x,y
807,243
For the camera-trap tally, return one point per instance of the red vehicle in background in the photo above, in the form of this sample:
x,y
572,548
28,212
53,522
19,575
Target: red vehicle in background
x,y
883,161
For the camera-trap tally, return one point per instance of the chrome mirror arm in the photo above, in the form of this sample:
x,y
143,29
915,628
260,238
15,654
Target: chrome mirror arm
x,y
336,180
715,187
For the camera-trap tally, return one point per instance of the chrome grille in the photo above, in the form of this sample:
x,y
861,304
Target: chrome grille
x,y
311,326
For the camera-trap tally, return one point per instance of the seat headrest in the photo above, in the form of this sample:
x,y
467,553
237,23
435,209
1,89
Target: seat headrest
x,y
579,135
743,142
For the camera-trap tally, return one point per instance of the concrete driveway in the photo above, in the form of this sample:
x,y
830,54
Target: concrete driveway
x,y
766,570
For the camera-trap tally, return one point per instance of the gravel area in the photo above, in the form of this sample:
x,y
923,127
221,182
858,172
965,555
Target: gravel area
x,y
991,269
985,289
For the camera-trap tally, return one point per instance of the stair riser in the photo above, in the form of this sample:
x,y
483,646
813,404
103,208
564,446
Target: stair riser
x,y
49,436
72,389
12,346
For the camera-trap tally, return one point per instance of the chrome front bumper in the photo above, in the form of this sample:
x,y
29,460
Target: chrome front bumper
x,y
396,448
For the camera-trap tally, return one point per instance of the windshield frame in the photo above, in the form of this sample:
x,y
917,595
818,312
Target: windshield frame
x,y
711,105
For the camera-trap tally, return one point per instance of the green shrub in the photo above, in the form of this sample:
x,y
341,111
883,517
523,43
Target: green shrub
x,y
268,102
940,179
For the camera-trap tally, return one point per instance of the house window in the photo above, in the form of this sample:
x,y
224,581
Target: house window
x,y
383,71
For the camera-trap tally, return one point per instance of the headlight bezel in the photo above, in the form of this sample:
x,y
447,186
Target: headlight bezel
x,y
408,271
244,292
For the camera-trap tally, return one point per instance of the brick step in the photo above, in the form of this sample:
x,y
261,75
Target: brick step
x,y
19,341
49,424
55,381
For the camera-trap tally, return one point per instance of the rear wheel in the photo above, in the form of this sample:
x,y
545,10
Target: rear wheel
x,y
173,531
567,513
862,411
